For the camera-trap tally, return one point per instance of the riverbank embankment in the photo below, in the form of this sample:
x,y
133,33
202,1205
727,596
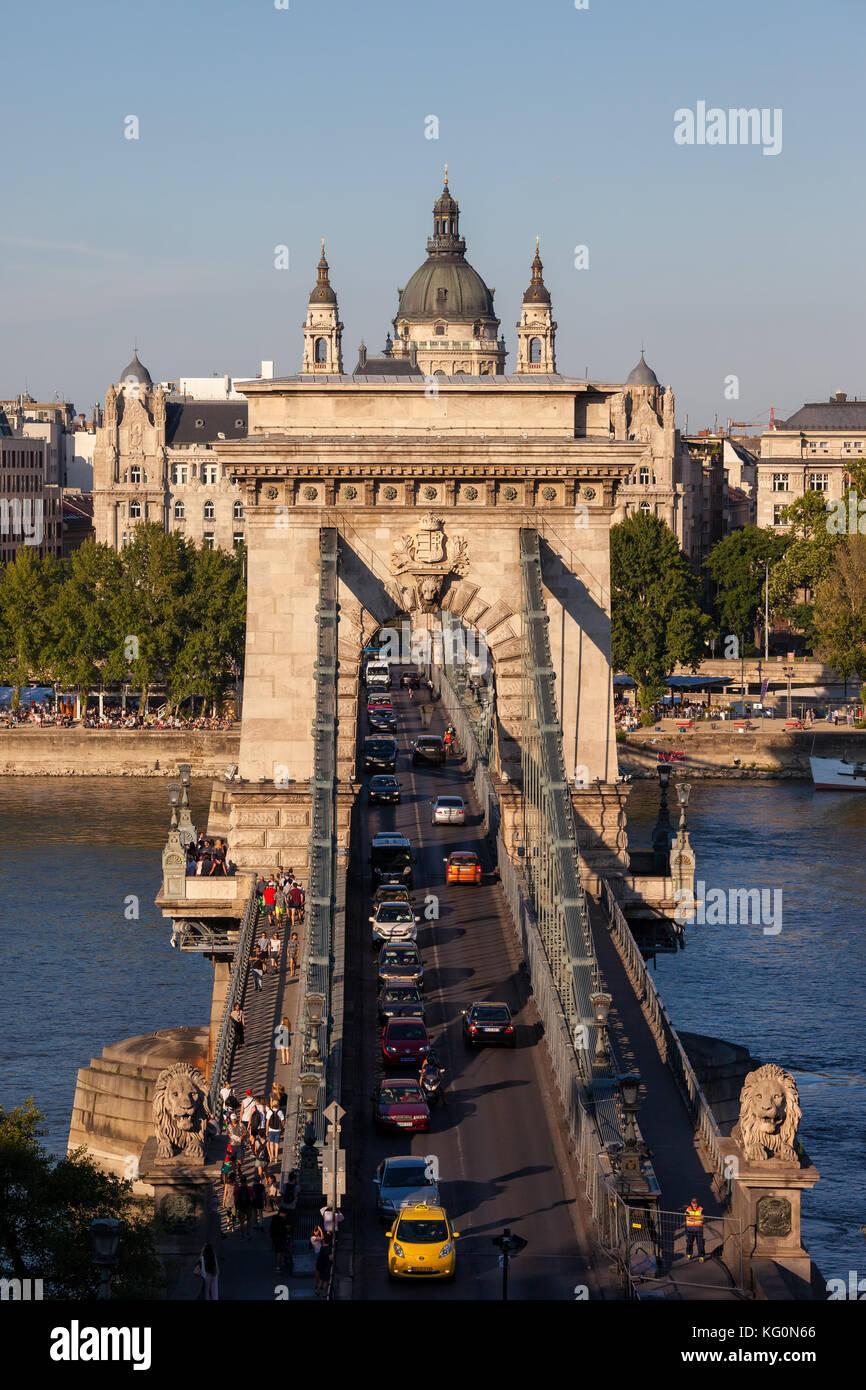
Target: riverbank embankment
x,y
726,751
52,752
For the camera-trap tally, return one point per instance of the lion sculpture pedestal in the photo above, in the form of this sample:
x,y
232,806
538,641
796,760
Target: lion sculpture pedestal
x,y
185,1186
770,1172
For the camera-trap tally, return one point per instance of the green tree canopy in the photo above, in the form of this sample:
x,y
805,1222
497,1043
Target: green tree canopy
x,y
655,618
28,587
840,610
83,616
46,1207
807,560
736,565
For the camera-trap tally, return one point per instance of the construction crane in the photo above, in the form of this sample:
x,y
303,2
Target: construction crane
x,y
749,424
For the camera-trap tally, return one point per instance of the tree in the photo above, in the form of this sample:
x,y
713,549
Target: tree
x,y
27,588
150,608
655,618
83,618
736,565
807,560
840,610
46,1207
215,620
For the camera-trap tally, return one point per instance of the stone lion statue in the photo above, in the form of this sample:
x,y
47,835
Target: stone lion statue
x,y
181,1110
769,1115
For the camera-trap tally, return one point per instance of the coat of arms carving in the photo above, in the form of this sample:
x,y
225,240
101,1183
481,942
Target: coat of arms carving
x,y
428,556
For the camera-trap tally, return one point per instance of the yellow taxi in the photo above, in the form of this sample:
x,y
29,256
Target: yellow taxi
x,y
463,866
421,1244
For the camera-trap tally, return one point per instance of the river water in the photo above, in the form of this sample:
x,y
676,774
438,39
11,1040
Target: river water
x,y
79,972
796,996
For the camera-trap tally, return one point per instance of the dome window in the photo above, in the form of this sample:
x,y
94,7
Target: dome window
x,y
439,329
321,351
535,350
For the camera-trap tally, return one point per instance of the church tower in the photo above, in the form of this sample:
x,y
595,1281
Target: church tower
x,y
536,330
323,332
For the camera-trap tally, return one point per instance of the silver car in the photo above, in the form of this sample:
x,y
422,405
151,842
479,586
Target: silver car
x,y
448,810
393,922
404,1180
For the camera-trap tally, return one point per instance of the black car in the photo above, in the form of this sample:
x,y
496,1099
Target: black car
x,y
400,964
391,859
400,1001
428,748
380,754
410,680
488,1023
383,790
383,720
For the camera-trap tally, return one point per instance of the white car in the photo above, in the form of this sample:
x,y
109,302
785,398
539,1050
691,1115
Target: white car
x,y
393,922
448,810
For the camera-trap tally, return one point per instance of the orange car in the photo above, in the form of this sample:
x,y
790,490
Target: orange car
x,y
463,866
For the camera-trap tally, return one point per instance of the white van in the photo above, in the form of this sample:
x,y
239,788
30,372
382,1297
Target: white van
x,y
377,675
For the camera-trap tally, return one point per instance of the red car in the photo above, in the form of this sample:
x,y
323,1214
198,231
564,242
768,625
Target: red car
x,y
379,702
399,1104
404,1042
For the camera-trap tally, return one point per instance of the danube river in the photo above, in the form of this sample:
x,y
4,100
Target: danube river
x,y
796,996
80,972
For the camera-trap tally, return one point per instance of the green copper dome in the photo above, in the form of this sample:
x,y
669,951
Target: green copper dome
x,y
446,286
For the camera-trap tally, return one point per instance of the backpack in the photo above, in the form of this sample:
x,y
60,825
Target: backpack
x,y
274,1121
255,1120
242,1197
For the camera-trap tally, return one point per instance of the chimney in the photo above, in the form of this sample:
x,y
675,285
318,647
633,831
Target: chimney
x,y
362,355
840,396
267,371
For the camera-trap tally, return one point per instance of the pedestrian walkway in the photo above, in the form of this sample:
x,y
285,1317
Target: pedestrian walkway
x,y
665,1124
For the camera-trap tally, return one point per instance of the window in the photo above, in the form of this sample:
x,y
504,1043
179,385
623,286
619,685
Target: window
x,y
321,350
644,475
780,482
645,507
440,329
535,349
135,473
180,473
135,509
209,511
179,511
238,538
209,543
209,473
238,511
441,295
779,515
819,482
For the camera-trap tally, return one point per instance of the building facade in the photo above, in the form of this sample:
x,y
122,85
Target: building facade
x,y
31,510
811,451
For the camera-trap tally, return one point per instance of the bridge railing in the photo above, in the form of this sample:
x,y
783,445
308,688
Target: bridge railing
x,y
670,1048
223,1057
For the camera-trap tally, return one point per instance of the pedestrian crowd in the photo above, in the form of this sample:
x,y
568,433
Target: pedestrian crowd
x,y
207,857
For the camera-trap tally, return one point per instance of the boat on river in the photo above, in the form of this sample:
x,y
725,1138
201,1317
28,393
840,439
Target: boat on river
x,y
838,774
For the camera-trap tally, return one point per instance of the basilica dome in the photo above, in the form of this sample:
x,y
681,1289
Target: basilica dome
x,y
446,286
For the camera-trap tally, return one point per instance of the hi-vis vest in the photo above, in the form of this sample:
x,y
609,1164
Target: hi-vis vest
x,y
694,1216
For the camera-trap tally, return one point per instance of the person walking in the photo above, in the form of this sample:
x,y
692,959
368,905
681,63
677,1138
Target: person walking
x,y
275,948
238,1022
227,1172
294,952
273,1193
236,1138
285,1044
276,1120
257,1194
254,1130
257,969
208,1271
296,901
694,1229
280,904
330,1220
244,1205
324,1260
278,1231
248,1105
269,896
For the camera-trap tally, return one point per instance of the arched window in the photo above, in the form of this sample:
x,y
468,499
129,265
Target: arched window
x,y
440,328
321,350
135,509
179,511
645,507
135,473
209,510
238,511
535,349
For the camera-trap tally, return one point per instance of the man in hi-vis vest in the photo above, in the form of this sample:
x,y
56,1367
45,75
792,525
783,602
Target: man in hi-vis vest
x,y
694,1229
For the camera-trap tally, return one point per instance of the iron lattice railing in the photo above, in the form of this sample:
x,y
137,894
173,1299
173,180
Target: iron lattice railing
x,y
223,1059
474,688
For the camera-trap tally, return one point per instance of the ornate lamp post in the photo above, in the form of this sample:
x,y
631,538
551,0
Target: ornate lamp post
x,y
314,1005
187,829
105,1235
631,1173
308,1090
662,830
601,1003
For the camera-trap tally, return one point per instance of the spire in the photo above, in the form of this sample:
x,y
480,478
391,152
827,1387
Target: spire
x,y
323,292
446,173
446,239
537,293
536,331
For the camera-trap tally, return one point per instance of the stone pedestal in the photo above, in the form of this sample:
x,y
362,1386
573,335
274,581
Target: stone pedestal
x,y
766,1198
602,831
186,1212
270,826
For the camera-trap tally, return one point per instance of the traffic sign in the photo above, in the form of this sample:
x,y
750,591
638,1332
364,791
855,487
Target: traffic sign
x,y
509,1243
327,1161
334,1112
328,1183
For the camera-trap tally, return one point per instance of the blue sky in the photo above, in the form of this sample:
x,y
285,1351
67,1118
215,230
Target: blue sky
x,y
260,127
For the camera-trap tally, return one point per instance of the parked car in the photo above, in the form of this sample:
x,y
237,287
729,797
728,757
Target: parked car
x,y
448,810
488,1023
398,1103
428,748
380,754
384,790
400,1001
400,964
463,866
405,1043
402,1181
393,922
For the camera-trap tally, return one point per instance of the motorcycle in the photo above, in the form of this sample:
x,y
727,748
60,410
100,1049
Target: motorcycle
x,y
432,1081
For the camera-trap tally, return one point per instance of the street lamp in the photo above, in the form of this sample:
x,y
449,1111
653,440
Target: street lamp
x,y
601,1003
174,791
105,1235
630,1169
314,1006
187,829
662,827
683,793
308,1089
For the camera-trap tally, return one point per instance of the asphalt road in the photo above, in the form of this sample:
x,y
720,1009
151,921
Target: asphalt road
x,y
496,1140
